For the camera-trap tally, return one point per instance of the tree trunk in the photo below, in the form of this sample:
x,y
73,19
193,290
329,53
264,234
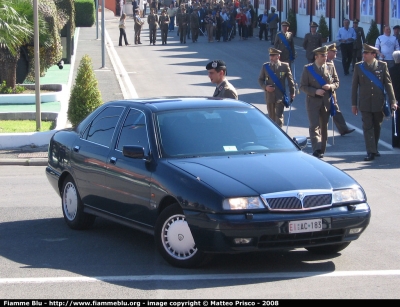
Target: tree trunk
x,y
8,67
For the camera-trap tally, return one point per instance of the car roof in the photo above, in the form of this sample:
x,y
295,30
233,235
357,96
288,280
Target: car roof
x,y
160,104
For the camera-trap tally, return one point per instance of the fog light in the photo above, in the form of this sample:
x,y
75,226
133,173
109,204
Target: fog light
x,y
242,240
355,230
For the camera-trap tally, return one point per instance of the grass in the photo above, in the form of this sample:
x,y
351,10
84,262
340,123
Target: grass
x,y
18,126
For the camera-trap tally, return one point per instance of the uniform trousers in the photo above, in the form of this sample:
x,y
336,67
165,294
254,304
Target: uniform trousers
x,y
164,33
318,117
347,56
357,56
372,122
182,33
275,112
263,29
195,33
273,34
339,121
210,32
153,35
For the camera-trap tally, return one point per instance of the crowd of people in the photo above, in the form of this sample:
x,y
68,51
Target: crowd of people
x,y
373,66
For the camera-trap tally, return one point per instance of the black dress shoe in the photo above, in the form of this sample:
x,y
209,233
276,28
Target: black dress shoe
x,y
318,154
369,157
347,132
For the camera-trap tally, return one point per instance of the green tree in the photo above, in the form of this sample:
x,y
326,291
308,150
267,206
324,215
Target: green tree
x,y
15,31
85,95
323,27
292,19
372,34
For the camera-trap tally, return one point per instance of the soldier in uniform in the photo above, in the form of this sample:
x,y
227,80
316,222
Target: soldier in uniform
x,y
182,21
338,118
273,20
138,26
217,74
318,98
273,95
195,24
369,99
164,24
283,40
152,20
312,41
358,43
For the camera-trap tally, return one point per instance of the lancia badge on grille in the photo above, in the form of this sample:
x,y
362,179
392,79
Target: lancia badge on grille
x,y
300,196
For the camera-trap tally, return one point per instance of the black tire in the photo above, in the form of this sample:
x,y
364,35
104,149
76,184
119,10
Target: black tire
x,y
174,239
328,249
72,206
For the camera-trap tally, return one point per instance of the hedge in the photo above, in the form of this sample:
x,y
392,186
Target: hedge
x,y
84,13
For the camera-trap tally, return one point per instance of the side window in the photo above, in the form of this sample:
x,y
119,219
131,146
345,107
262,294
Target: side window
x,y
101,130
134,131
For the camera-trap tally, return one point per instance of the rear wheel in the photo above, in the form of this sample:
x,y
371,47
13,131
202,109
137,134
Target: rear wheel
x,y
72,206
174,239
328,249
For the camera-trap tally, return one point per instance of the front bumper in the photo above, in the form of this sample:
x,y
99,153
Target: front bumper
x,y
216,232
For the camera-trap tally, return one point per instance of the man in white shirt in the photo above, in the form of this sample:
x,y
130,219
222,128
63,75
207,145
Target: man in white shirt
x,y
346,37
387,44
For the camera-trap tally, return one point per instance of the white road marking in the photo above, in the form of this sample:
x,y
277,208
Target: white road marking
x,y
282,275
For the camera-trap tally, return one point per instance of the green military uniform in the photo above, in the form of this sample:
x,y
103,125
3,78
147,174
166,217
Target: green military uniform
x,y
225,90
311,42
194,25
182,20
273,99
280,45
318,107
358,43
369,99
152,21
338,118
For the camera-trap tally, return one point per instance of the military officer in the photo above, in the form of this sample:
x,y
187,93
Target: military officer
x,y
273,20
318,98
164,24
338,118
182,20
284,42
152,21
368,98
312,41
358,43
217,74
273,95
194,24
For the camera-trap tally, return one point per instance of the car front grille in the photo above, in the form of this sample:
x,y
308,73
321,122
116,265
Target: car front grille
x,y
298,200
286,240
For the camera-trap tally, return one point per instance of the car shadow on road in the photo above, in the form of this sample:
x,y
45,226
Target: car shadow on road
x,y
110,249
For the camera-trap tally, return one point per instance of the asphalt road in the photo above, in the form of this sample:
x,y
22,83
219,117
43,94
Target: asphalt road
x,y
40,257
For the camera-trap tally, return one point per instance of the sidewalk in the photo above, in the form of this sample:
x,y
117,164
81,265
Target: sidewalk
x,y
17,149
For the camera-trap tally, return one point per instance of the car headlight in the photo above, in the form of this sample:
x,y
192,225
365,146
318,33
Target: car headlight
x,y
241,203
348,196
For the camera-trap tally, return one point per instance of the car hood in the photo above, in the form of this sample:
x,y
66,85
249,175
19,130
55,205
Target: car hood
x,y
264,173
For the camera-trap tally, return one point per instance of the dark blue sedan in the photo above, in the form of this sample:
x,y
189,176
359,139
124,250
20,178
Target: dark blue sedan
x,y
204,176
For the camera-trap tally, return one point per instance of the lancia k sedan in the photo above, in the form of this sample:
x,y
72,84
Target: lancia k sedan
x,y
204,176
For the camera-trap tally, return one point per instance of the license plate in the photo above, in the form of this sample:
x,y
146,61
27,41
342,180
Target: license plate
x,y
305,226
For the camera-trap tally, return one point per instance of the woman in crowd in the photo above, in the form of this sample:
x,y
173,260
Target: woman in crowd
x,y
218,29
122,32
209,20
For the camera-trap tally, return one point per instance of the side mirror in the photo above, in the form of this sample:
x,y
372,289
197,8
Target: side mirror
x,y
135,152
301,141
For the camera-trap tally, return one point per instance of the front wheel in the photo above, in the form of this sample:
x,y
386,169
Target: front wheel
x,y
72,206
174,239
328,249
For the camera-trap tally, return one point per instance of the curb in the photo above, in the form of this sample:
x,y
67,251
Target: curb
x,y
25,162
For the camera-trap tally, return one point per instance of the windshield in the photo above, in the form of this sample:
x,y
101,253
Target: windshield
x,y
218,131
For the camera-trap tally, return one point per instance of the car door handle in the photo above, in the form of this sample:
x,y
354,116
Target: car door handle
x,y
76,148
113,160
